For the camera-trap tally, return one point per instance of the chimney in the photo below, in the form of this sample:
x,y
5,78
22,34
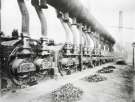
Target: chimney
x,y
120,20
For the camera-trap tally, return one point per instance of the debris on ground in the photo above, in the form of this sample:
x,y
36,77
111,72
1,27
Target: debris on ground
x,y
108,69
121,62
111,67
67,93
95,78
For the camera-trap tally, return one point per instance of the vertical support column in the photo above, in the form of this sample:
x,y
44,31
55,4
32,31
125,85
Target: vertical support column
x,y
133,45
81,54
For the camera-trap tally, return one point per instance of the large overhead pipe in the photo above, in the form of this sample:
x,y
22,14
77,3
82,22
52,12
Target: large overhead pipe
x,y
77,9
38,7
25,17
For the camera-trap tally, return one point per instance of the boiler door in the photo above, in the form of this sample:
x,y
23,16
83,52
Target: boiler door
x,y
22,66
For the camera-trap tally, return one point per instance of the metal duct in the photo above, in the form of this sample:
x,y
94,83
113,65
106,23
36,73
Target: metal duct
x,y
41,18
91,42
83,40
76,9
72,28
64,21
86,39
25,17
87,36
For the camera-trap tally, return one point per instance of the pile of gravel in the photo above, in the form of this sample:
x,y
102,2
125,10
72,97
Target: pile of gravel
x,y
108,69
111,67
95,78
121,62
67,93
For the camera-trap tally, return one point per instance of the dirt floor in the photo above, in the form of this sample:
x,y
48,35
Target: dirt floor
x,y
118,87
115,89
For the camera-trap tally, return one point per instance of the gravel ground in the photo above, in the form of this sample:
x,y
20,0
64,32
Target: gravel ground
x,y
95,78
118,87
66,93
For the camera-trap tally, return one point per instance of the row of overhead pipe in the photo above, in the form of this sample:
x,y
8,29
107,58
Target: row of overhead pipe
x,y
70,28
38,5
77,9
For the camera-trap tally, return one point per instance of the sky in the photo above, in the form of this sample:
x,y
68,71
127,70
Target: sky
x,y
105,11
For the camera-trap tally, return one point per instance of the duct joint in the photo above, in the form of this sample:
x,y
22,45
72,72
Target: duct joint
x,y
42,4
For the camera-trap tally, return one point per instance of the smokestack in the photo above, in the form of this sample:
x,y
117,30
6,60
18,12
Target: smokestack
x,y
120,20
25,17
38,7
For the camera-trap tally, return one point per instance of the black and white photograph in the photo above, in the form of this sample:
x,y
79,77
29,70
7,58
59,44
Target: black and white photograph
x,y
67,50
